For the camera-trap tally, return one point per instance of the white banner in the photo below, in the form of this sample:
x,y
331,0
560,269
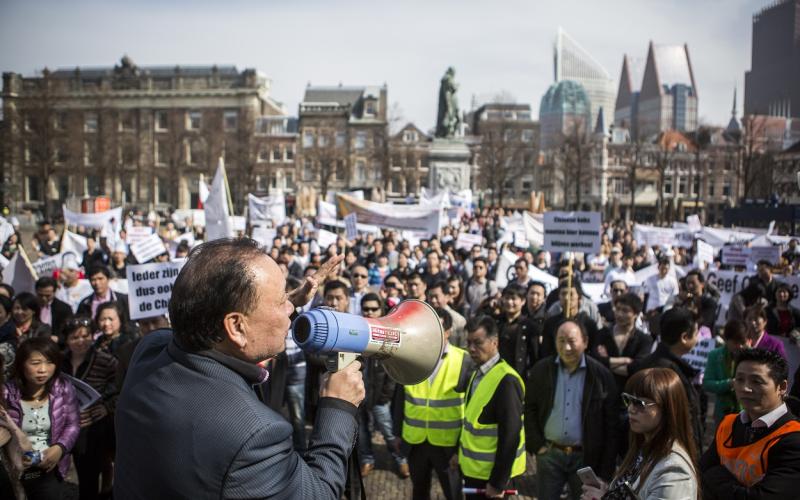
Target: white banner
x,y
331,196
694,223
705,253
147,249
195,217
653,236
75,243
150,288
534,228
94,221
411,217
572,231
468,240
264,236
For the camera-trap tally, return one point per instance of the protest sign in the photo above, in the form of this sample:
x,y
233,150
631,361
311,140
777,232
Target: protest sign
x,y
238,223
47,265
705,253
694,223
325,239
264,236
698,356
572,231
468,240
735,255
147,249
150,288
505,268
411,217
351,231
138,233
653,236
771,254
534,228
271,208
520,240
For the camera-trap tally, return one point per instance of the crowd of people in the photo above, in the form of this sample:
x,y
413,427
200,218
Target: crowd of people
x,y
609,395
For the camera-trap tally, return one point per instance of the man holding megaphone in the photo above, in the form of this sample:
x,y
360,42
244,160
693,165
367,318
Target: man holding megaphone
x,y
189,424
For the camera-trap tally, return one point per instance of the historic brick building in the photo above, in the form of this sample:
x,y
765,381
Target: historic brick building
x,y
141,135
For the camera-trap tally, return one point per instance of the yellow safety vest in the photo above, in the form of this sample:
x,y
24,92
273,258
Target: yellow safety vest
x,y
476,455
434,411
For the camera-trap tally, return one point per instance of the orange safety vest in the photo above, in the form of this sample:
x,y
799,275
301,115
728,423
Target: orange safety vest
x,y
749,462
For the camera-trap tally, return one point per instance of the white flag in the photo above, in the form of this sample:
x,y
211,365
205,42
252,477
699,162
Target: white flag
x,y
218,221
75,243
202,190
6,230
19,273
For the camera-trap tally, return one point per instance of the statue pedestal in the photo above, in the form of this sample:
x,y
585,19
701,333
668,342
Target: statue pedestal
x,y
449,165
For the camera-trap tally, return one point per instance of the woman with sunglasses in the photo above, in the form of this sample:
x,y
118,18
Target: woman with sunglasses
x,y
43,404
660,462
98,369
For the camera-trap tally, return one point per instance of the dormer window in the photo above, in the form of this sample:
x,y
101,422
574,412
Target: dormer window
x,y
409,136
369,107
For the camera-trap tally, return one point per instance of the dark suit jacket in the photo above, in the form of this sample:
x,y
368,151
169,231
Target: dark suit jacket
x,y
189,425
85,305
600,413
61,312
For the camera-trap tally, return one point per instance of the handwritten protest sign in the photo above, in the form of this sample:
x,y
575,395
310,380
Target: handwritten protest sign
x,y
136,234
770,254
149,248
572,231
150,288
46,265
467,241
698,356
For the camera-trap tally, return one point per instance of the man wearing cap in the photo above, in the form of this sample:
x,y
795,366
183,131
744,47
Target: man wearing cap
x,y
72,288
118,264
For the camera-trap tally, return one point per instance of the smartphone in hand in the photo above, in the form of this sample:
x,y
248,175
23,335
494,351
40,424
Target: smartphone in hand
x,y
589,478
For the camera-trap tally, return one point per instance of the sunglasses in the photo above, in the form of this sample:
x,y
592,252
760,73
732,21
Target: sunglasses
x,y
631,402
76,322
360,276
618,290
370,309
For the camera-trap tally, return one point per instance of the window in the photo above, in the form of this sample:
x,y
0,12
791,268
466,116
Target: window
x,y
88,154
668,185
361,171
289,180
194,120
322,139
339,170
196,153
308,170
508,135
276,154
162,190
263,155
527,136
361,140
369,109
94,185
523,115
726,188
340,137
289,153
161,152
33,190
527,185
682,185
711,188
377,171
161,120
60,121
231,119
90,122
696,185
127,121
273,180
26,152
128,155
60,154
128,191
409,136
62,186
308,138
261,183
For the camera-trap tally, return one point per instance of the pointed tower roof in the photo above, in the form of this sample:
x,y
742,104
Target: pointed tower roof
x,y
630,80
734,125
600,126
667,65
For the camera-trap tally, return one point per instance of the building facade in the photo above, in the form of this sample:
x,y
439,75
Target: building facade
x,y
772,86
144,136
667,97
343,138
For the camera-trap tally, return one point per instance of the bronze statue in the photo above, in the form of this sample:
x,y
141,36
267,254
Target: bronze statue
x,y
448,120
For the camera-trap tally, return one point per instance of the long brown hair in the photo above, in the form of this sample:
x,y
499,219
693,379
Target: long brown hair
x,y
664,387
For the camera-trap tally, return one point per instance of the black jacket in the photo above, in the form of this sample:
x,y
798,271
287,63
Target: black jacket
x,y
517,343
60,313
662,357
638,348
774,321
600,417
85,305
780,480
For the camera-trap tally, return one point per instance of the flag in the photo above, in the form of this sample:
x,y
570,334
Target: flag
x,y
75,243
19,273
350,221
202,190
217,208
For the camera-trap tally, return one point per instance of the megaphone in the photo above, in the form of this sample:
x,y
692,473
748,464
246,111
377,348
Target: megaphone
x,y
408,340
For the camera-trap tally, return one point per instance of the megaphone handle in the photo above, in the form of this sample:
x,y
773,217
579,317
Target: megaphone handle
x,y
339,360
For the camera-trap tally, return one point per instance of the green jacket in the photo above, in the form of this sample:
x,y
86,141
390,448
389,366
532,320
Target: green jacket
x,y
717,379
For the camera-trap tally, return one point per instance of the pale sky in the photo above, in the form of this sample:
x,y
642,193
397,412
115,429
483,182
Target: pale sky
x,y
495,46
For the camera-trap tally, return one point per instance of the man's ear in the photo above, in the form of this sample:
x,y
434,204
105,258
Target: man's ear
x,y
235,325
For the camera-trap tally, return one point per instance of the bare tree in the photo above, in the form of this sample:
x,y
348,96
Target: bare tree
x,y
502,156
756,159
701,140
664,155
637,155
327,156
574,155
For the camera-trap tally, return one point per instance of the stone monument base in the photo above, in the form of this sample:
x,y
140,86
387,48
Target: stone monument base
x,y
449,165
